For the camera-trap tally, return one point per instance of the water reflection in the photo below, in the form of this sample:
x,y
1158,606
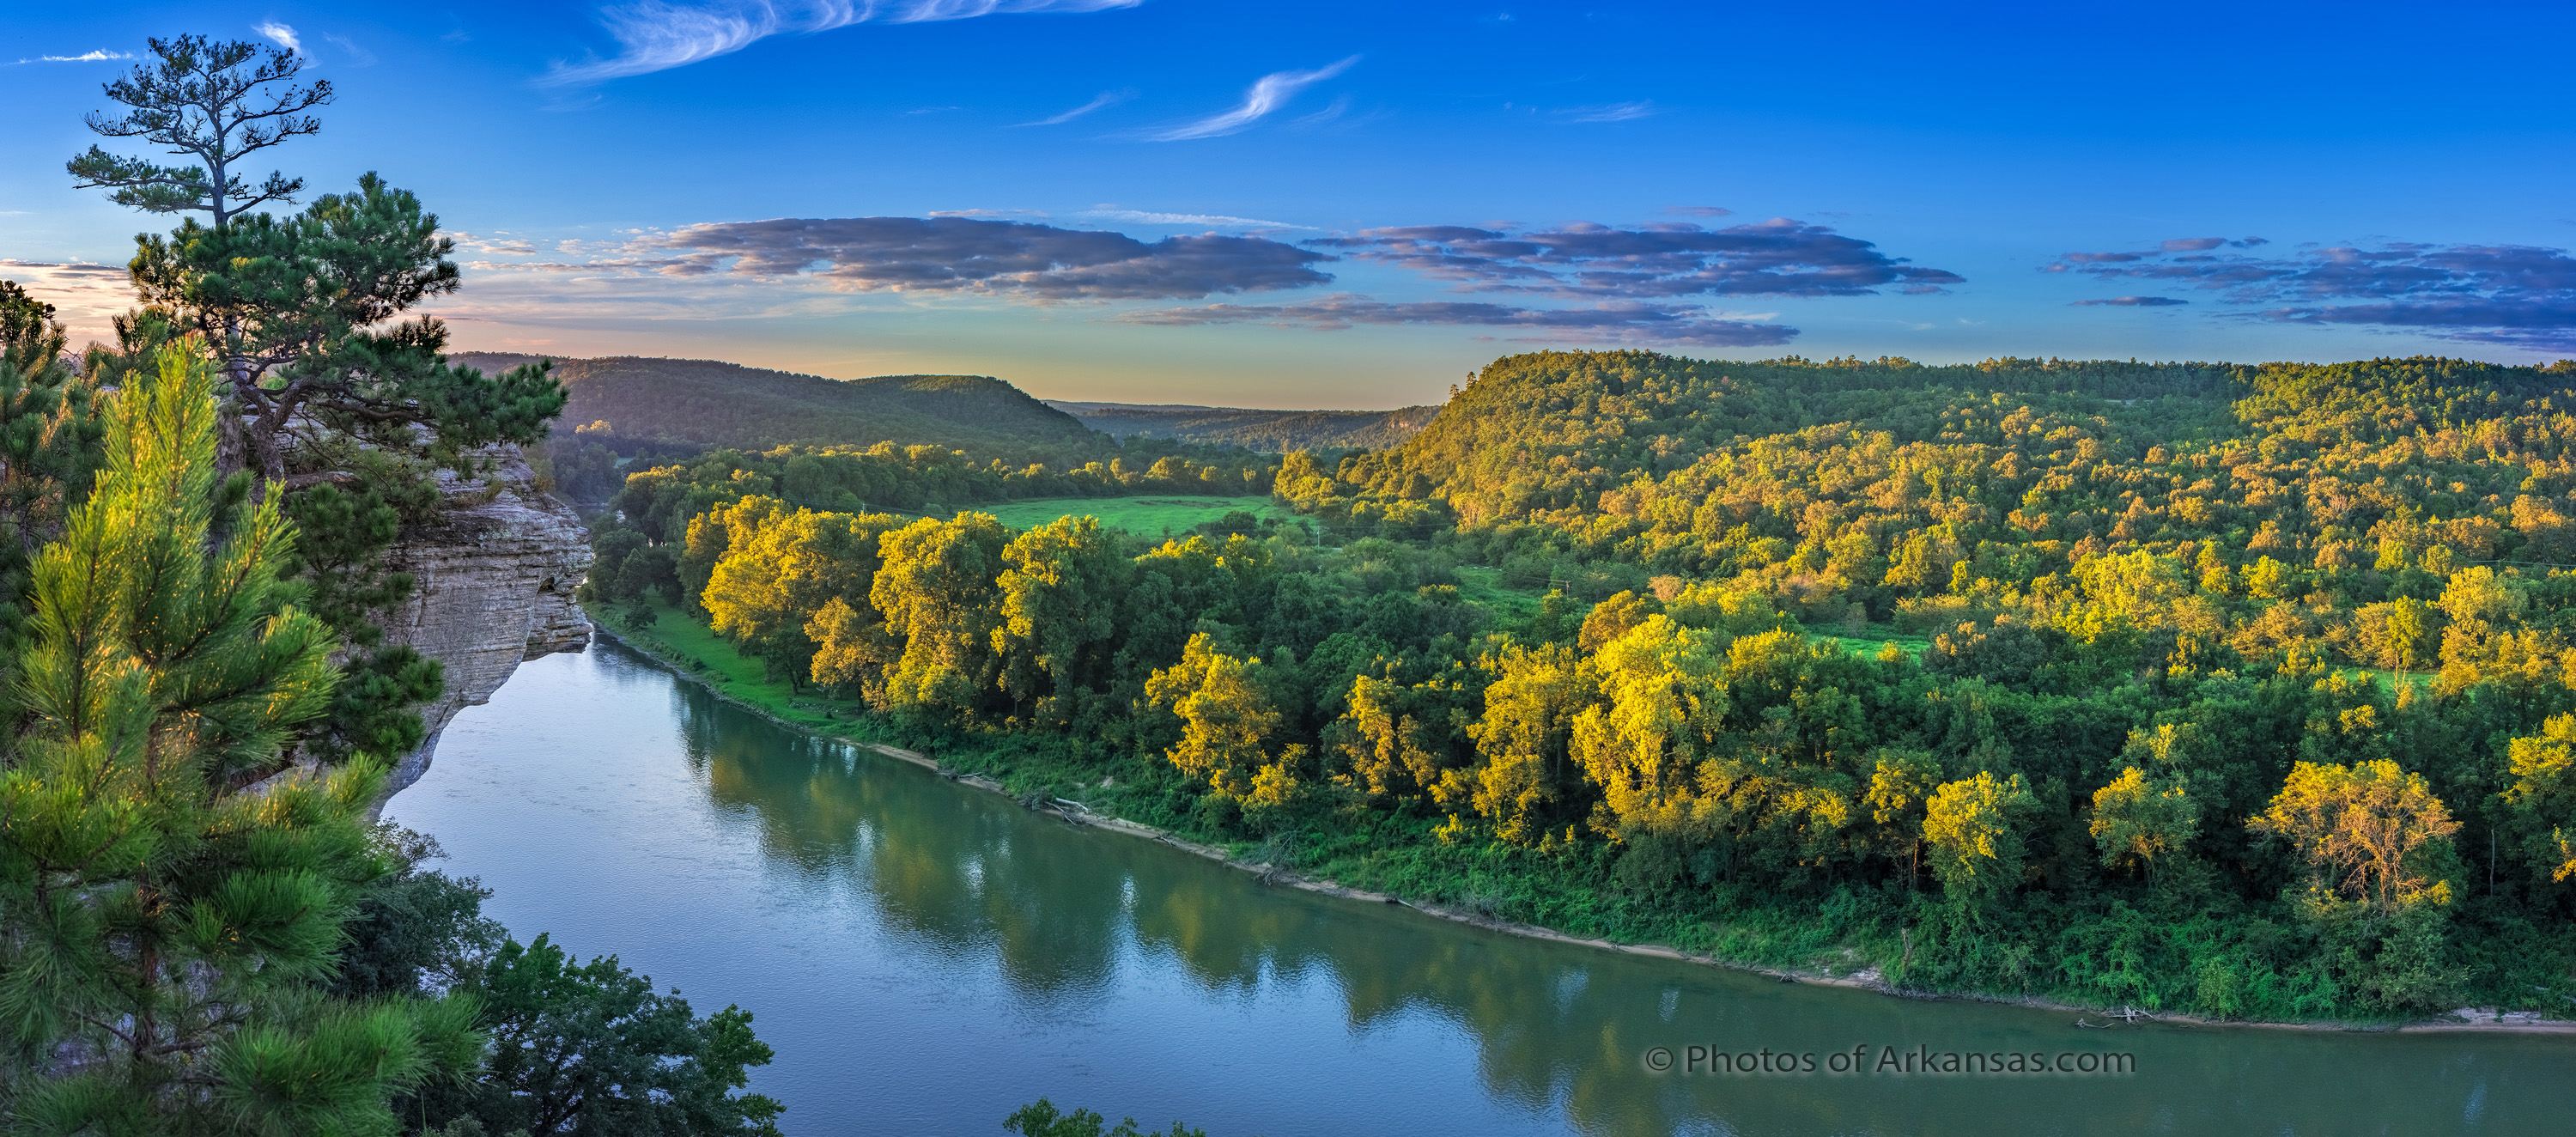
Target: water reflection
x,y
1146,970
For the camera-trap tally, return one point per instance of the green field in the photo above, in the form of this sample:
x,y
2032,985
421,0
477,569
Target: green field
x,y
1146,515
1877,636
1485,586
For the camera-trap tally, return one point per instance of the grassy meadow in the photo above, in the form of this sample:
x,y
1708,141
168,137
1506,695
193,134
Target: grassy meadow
x,y
1146,515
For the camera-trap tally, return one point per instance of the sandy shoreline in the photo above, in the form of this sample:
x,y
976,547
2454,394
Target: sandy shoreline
x,y
2488,1020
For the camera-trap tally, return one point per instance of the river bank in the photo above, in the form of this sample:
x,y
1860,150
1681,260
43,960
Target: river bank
x,y
695,654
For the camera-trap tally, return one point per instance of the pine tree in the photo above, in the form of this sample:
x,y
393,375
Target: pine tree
x,y
171,892
50,437
300,309
328,392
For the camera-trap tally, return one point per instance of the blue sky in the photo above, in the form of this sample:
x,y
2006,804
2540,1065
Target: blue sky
x,y
1354,204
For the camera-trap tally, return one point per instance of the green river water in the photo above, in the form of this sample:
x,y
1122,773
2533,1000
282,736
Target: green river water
x,y
927,957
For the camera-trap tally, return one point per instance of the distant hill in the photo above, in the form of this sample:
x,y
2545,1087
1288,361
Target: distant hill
x,y
707,403
1273,431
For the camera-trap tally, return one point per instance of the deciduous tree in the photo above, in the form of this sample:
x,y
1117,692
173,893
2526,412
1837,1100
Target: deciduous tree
x,y
1663,703
1225,712
938,595
1060,595
1974,827
2137,819
2360,827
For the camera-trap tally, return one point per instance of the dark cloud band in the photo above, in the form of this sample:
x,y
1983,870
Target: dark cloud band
x,y
2520,295
949,254
1779,257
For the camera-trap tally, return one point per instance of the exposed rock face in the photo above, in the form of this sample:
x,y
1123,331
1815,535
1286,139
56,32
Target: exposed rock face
x,y
495,587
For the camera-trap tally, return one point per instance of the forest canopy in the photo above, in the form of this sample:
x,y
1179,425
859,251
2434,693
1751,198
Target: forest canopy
x,y
2237,689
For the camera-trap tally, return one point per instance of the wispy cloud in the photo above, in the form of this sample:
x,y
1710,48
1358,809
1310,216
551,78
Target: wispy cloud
x,y
1339,107
1106,99
358,55
1660,323
2132,302
657,35
1216,220
84,57
1614,112
284,35
1268,94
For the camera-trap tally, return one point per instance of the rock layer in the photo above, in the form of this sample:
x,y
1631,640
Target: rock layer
x,y
495,578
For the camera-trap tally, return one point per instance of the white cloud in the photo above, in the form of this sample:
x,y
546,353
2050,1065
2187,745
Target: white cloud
x,y
496,243
1106,98
1268,94
656,35
100,56
284,35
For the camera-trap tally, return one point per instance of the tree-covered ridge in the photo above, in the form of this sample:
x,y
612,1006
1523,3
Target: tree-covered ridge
x,y
1843,491
1275,432
1550,431
705,403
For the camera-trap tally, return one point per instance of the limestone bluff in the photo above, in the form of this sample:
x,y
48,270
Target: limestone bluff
x,y
495,579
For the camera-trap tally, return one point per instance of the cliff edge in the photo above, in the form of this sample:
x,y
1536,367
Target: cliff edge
x,y
495,578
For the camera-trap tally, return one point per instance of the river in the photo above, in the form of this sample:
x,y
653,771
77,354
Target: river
x,y
926,957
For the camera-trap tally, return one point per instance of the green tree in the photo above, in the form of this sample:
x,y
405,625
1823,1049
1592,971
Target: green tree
x,y
591,1050
1974,827
1060,595
2412,634
216,102
938,597
1525,776
1663,702
415,929
1900,787
2137,819
167,925
2269,579
1225,712
303,310
51,440
2541,803
781,568
1041,1118
1402,740
1612,618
